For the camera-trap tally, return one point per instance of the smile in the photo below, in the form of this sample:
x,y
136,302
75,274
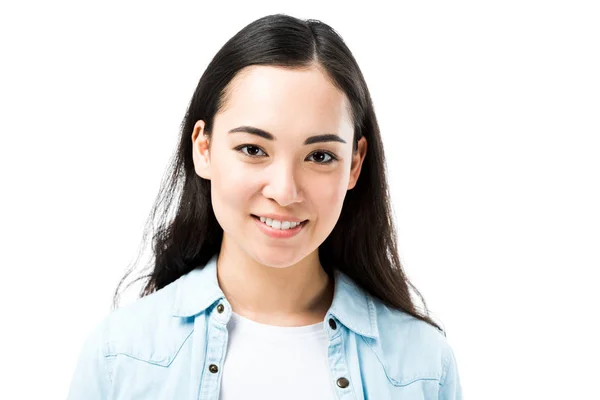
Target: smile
x,y
279,229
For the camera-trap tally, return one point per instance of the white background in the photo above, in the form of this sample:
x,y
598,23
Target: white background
x,y
489,113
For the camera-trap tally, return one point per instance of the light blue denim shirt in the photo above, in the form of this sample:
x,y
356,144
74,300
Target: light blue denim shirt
x,y
172,343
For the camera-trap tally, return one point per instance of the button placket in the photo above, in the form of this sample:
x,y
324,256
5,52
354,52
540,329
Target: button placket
x,y
337,361
217,345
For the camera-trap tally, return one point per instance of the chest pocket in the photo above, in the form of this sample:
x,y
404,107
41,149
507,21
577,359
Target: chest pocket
x,y
407,364
154,342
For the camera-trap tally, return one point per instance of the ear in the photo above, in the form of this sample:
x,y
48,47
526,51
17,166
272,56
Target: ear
x,y
357,159
200,150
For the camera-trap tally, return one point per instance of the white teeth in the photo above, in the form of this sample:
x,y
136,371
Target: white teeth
x,y
282,225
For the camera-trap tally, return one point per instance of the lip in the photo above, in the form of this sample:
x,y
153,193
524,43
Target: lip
x,y
280,217
278,233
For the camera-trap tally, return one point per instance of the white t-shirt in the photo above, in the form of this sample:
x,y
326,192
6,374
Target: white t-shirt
x,y
269,362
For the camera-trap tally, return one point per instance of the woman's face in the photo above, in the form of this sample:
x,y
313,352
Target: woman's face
x,y
286,167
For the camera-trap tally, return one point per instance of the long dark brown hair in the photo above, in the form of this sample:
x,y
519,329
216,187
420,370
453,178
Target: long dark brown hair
x,y
185,231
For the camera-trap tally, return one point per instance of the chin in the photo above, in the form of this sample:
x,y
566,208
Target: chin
x,y
276,258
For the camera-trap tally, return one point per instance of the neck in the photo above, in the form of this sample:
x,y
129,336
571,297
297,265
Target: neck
x,y
297,295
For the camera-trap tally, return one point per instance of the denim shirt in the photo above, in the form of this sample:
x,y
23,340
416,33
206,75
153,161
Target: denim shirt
x,y
172,344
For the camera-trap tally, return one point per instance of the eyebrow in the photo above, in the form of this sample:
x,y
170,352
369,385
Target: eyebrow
x,y
327,137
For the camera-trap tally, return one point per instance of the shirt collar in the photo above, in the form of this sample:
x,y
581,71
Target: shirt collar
x,y
197,290
352,306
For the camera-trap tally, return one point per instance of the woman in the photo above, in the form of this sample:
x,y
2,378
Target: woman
x,y
276,273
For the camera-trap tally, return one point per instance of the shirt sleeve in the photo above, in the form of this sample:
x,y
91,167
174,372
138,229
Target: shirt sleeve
x,y
450,388
91,380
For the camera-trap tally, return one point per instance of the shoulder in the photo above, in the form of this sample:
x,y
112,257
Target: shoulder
x,y
410,349
144,330
143,311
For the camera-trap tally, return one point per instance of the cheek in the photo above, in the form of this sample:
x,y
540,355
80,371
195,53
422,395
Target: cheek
x,y
329,194
231,186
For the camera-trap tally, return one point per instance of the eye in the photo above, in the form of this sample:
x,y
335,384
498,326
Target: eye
x,y
321,157
251,151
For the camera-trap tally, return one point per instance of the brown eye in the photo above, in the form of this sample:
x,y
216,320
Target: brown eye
x,y
323,157
251,151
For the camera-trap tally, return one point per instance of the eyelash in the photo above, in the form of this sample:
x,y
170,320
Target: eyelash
x,y
331,160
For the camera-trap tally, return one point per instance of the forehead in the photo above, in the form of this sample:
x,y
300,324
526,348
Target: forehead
x,y
286,99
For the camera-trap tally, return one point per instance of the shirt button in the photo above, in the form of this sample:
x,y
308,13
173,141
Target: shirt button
x,y
332,323
214,369
220,308
343,383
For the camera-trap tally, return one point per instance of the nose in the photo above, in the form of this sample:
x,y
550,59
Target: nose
x,y
282,185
